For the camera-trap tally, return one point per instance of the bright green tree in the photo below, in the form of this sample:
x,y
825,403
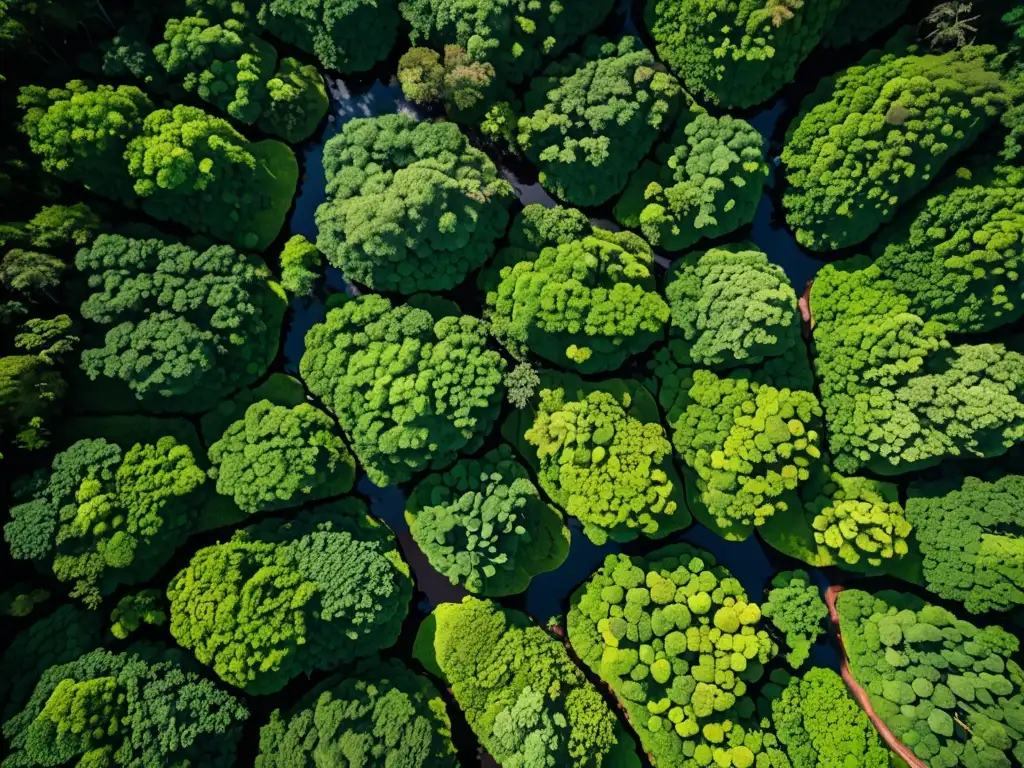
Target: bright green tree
x,y
705,181
820,724
739,54
286,597
863,519
958,255
678,641
183,328
877,134
591,118
605,465
380,715
277,457
301,266
796,609
100,517
132,611
411,391
484,525
145,706
411,206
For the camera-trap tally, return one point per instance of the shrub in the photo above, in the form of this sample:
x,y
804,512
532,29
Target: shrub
x,y
382,714
277,457
286,597
410,391
796,609
301,266
483,525
411,206
101,517
704,182
877,134
591,118
964,527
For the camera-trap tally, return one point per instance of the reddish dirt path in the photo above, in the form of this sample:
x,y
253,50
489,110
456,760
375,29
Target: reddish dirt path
x,y
859,693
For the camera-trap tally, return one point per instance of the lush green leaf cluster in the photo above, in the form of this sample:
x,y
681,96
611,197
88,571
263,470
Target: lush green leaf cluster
x,y
522,695
969,533
863,518
277,457
381,715
57,638
227,66
606,465
958,256
949,690
731,306
676,638
751,444
483,525
411,206
184,327
705,181
301,266
796,609
877,134
345,35
896,394
146,706
183,164
410,391
585,304
286,597
132,611
101,517
513,37
820,724
738,54
591,118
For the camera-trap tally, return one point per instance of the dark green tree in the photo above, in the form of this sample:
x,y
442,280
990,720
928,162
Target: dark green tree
x,y
410,390
796,609
411,206
592,117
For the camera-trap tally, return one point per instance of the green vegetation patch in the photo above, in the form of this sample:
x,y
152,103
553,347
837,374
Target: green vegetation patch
x,y
796,609
381,714
285,597
484,525
522,695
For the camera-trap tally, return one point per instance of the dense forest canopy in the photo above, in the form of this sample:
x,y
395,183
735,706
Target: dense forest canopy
x,y
570,384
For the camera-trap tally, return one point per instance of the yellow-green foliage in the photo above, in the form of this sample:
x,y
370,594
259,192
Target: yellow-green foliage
x,y
286,597
750,444
863,518
679,642
603,465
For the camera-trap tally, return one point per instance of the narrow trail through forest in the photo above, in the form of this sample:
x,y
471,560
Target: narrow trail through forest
x,y
857,689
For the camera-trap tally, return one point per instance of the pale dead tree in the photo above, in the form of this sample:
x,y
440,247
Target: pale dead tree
x,y
951,24
782,10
